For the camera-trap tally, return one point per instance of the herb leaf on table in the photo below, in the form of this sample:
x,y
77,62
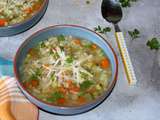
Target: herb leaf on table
x,y
134,34
102,30
126,3
153,44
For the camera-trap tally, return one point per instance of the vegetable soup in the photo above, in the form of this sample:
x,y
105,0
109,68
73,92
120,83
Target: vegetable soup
x,y
66,71
16,11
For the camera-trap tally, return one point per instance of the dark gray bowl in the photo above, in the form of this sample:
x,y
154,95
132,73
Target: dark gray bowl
x,y
25,25
76,31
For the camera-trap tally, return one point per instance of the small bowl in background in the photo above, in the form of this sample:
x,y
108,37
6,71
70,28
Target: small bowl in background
x,y
26,24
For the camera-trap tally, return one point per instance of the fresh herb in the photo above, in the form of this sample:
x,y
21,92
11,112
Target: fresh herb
x,y
61,38
102,30
154,44
134,34
126,3
42,44
33,77
87,2
55,96
89,45
85,85
38,72
52,76
54,54
69,59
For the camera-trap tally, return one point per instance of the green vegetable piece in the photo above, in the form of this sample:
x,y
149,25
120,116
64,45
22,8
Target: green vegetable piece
x,y
38,72
88,96
134,34
85,85
88,45
154,44
61,38
33,77
42,44
53,77
102,30
55,96
69,59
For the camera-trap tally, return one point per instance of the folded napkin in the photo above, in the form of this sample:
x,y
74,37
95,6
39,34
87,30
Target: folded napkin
x,y
13,104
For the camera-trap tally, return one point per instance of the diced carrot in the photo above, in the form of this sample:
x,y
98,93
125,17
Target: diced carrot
x,y
77,41
62,90
81,100
69,82
37,6
61,101
94,46
28,10
105,63
34,83
72,87
2,22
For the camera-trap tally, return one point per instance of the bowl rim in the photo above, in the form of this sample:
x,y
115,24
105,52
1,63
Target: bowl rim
x,y
27,20
104,95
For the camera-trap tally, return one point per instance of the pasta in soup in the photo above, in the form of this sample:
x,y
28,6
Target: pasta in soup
x,y
65,70
16,11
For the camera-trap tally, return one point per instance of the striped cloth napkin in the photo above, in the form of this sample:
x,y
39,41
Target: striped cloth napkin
x,y
13,104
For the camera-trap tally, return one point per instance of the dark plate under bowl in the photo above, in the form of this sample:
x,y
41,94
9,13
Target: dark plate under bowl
x,y
25,25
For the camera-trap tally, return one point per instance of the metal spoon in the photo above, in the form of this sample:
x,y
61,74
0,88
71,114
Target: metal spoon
x,y
112,12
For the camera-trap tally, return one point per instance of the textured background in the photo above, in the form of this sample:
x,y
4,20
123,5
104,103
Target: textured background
x,y
125,103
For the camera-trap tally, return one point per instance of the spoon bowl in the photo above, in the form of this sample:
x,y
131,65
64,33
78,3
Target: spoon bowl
x,y
111,11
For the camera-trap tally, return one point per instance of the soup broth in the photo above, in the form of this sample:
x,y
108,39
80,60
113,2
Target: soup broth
x,y
67,71
16,11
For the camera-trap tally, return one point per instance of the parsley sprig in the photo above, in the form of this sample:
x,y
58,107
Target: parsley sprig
x,y
154,44
102,30
134,34
126,3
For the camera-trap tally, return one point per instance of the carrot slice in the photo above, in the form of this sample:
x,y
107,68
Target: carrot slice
x,y
34,83
81,100
94,46
2,22
77,41
62,90
61,101
28,10
69,82
72,87
37,6
105,63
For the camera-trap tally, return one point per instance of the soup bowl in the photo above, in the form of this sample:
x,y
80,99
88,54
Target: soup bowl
x,y
25,24
76,31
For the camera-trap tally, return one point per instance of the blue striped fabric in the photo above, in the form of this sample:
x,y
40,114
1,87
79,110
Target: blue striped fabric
x,y
6,67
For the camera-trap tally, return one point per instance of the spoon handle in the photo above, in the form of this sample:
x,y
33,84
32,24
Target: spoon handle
x,y
126,58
